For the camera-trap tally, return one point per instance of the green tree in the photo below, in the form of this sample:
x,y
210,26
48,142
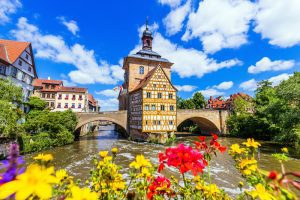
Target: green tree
x,y
10,92
187,104
199,100
35,103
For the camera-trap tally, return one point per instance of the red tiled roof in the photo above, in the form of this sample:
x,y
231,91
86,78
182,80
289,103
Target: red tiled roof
x,y
92,99
12,50
38,82
72,89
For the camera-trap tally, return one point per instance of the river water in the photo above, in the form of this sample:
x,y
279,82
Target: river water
x,y
77,157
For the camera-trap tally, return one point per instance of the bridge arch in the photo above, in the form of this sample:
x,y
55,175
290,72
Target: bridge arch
x,y
205,124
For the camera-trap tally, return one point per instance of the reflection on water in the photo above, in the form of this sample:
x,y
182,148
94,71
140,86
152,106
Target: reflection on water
x,y
77,157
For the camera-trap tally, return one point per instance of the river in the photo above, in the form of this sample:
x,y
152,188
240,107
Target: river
x,y
77,157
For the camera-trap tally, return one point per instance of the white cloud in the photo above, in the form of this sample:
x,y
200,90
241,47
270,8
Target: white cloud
x,y
171,3
68,83
71,25
108,93
279,21
111,104
185,88
276,80
8,7
54,48
265,64
174,20
224,85
187,62
220,24
211,92
249,85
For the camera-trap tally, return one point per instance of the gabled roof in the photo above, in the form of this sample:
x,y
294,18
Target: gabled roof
x,y
11,50
72,89
39,82
92,99
146,80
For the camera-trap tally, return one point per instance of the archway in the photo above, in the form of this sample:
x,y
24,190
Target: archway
x,y
205,126
81,126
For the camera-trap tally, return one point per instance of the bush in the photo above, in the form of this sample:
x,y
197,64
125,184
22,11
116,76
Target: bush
x,y
34,143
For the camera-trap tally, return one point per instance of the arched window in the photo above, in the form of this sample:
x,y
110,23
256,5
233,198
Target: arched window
x,y
148,43
142,70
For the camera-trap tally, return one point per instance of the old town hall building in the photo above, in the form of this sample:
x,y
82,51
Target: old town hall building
x,y
148,93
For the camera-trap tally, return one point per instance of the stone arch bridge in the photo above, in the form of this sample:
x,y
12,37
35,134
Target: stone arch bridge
x,y
207,119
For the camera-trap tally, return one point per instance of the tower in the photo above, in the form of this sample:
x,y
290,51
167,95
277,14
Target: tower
x,y
149,97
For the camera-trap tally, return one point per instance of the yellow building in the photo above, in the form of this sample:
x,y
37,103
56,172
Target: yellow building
x,y
148,94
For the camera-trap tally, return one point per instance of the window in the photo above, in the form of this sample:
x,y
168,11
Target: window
x,y
79,105
171,108
47,86
2,69
67,97
20,75
148,95
154,85
158,122
141,70
153,107
59,96
165,86
52,86
80,97
14,72
162,107
43,95
170,96
20,62
26,56
66,105
154,122
29,69
53,96
59,105
52,104
48,95
159,95
170,122
74,97
146,107
73,105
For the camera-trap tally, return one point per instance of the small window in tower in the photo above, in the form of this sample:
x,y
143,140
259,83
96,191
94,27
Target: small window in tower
x,y
142,70
148,43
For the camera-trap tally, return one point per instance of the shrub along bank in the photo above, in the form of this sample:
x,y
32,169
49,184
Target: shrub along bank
x,y
44,129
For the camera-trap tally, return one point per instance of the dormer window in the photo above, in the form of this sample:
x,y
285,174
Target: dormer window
x,y
142,70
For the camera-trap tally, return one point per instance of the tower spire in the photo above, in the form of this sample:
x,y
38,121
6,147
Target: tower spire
x,y
147,37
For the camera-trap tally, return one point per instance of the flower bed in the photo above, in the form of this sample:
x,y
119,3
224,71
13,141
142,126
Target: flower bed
x,y
40,180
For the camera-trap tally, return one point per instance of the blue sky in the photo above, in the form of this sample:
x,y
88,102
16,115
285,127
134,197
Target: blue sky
x,y
218,47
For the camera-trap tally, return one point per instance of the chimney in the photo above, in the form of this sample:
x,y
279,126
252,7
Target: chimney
x,y
49,78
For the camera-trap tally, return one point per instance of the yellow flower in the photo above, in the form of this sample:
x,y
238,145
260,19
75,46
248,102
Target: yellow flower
x,y
36,181
118,185
261,192
82,194
114,150
103,154
144,173
235,149
107,159
61,174
139,162
247,166
211,190
284,150
44,157
251,143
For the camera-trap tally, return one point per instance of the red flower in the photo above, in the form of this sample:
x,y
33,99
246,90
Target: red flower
x,y
272,175
183,158
214,145
160,186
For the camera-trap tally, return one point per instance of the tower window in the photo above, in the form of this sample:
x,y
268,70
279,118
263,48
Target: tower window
x,y
146,107
148,95
141,70
162,107
148,43
159,95
171,108
153,107
170,96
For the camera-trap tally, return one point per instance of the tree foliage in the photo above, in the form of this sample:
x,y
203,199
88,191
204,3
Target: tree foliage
x,y
36,103
276,113
196,102
10,92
